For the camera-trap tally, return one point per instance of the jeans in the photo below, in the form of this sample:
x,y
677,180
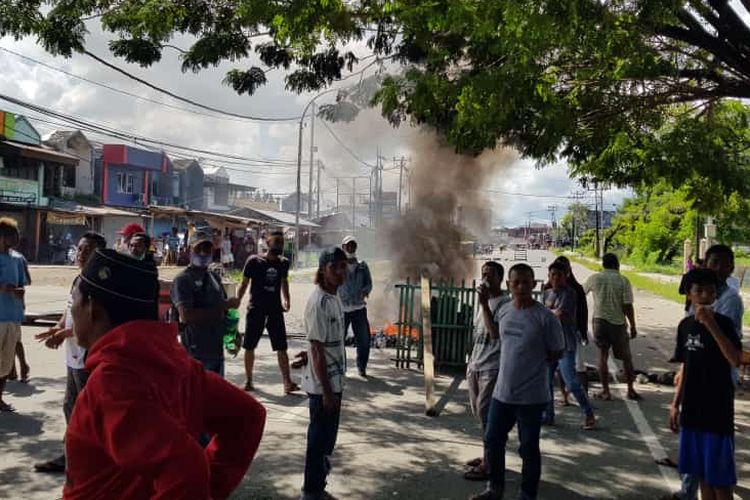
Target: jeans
x,y
690,486
321,439
361,329
74,383
501,419
213,365
567,365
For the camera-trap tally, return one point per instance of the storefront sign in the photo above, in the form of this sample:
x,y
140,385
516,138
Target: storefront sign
x,y
21,191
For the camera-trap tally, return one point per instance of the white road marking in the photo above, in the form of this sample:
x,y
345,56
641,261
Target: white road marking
x,y
671,479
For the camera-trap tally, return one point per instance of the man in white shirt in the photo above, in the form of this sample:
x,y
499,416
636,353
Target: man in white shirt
x,y
323,377
62,333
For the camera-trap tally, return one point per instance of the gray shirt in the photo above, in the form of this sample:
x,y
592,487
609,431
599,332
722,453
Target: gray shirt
x,y
729,303
564,299
527,337
197,288
485,355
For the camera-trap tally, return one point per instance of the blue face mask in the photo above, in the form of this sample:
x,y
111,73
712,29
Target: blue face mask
x,y
200,260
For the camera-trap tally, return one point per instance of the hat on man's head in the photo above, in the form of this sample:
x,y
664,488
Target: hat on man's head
x,y
347,240
121,276
201,235
130,229
331,255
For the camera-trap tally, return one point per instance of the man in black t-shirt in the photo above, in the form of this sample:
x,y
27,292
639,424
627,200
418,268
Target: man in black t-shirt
x,y
703,406
267,277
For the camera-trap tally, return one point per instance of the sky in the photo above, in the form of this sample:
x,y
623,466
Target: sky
x,y
517,193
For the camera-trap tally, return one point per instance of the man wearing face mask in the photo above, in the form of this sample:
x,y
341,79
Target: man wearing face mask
x,y
199,297
353,294
138,246
269,300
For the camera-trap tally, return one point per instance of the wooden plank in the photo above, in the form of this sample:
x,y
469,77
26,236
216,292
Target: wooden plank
x,y
429,364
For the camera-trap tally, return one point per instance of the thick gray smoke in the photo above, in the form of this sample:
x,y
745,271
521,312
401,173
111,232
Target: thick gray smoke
x,y
448,206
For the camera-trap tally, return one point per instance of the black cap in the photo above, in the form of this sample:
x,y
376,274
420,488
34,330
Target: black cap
x,y
331,255
121,276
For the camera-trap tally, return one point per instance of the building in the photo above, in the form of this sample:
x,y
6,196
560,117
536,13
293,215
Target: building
x,y
135,178
219,193
191,183
74,143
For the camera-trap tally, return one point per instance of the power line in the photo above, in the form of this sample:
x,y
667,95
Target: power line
x,y
120,91
83,123
185,99
345,147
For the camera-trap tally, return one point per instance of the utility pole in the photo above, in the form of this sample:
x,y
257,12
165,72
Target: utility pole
x,y
312,154
400,182
354,209
337,194
577,195
317,202
552,219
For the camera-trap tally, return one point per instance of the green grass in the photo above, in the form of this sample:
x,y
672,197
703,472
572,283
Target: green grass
x,y
662,289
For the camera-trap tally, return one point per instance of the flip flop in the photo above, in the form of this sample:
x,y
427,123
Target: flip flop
x,y
6,408
590,426
602,397
666,462
52,466
288,389
474,462
634,396
249,386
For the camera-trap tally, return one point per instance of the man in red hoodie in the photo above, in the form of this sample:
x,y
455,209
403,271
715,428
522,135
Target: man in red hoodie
x,y
135,427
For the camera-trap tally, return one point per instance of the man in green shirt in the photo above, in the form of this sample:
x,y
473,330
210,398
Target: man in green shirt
x,y
613,303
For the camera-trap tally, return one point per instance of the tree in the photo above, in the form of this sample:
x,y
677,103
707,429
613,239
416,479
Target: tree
x,y
651,227
593,82
575,221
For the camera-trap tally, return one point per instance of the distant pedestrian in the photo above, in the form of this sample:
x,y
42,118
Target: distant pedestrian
x,y
531,339
703,406
202,305
126,233
134,430
484,361
720,259
561,300
12,292
268,278
173,247
62,334
323,377
23,365
613,304
354,294
227,257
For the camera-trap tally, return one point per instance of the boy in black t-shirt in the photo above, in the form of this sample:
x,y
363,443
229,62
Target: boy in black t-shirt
x,y
703,405
267,276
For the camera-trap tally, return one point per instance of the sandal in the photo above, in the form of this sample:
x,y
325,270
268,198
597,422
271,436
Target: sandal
x,y
634,396
249,386
666,462
53,466
477,473
589,424
288,389
474,462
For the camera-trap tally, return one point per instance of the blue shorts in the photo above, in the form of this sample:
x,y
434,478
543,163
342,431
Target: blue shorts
x,y
709,456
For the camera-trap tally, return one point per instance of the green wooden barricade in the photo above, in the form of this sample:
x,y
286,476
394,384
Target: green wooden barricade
x,y
452,316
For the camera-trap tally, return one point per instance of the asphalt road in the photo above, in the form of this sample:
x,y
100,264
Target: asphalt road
x,y
387,447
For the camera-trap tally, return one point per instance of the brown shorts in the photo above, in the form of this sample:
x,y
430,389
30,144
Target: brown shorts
x,y
10,334
607,335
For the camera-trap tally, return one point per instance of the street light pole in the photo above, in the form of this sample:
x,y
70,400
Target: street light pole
x,y
299,175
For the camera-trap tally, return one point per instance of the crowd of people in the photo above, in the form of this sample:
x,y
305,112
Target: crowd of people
x,y
198,434
520,343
